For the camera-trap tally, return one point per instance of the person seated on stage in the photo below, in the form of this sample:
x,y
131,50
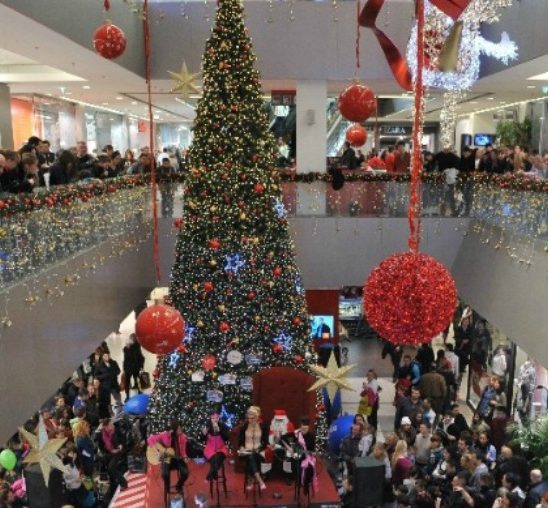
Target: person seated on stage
x,y
306,443
174,457
280,427
253,441
215,451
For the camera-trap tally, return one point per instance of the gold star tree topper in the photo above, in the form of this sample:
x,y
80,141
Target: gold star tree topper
x,y
44,451
332,377
184,82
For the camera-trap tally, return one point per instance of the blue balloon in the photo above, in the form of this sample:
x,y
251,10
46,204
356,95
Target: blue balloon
x,y
137,405
337,430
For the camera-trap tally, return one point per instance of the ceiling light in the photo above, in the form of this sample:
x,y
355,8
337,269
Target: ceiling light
x,y
119,98
86,87
134,103
104,103
473,102
531,86
490,98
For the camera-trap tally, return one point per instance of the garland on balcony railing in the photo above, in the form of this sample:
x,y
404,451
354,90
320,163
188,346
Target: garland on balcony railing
x,y
63,195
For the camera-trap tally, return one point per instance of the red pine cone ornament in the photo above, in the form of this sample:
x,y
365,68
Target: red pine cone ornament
x,y
109,40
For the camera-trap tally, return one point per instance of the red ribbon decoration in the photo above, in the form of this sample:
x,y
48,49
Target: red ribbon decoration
x,y
106,4
397,63
413,213
155,236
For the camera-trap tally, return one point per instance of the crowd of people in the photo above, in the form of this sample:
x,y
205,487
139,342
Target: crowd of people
x,y
35,165
436,458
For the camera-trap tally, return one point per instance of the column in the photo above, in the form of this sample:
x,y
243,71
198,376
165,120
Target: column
x,y
311,144
6,129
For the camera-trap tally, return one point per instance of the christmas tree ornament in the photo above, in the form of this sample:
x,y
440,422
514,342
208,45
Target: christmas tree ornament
x,y
44,451
178,223
214,244
109,40
234,357
159,329
418,298
209,362
184,82
356,135
224,327
332,377
208,286
357,103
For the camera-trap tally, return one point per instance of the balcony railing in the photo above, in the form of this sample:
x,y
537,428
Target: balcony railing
x,y
40,230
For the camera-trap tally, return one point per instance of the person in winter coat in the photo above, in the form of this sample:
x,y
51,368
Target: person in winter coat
x,y
133,363
84,445
107,373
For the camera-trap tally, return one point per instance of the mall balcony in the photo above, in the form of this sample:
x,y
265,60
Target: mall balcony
x,y
72,266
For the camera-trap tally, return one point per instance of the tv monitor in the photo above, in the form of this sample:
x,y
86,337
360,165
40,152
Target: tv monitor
x,y
484,139
322,326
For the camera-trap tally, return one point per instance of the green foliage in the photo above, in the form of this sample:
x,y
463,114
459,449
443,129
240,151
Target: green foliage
x,y
232,216
534,438
514,133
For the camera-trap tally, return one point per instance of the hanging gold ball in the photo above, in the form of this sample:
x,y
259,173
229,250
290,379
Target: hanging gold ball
x,y
243,216
200,323
213,262
221,308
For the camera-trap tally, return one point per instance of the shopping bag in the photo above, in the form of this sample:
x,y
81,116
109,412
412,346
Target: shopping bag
x,y
144,380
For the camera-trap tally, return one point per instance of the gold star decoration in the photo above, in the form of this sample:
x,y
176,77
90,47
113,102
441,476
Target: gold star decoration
x,y
184,82
332,377
44,451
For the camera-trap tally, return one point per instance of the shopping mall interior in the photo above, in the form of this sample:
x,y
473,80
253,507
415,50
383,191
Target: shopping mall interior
x,y
283,253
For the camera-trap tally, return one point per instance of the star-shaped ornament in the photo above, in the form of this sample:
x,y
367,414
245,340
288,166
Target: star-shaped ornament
x,y
184,82
279,208
234,263
44,451
284,341
189,334
173,359
332,377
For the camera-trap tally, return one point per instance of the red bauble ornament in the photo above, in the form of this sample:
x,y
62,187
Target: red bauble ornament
x,y
214,244
178,223
409,298
298,359
277,271
277,348
296,321
357,103
159,329
181,348
251,295
109,40
208,286
224,327
356,135
209,362
321,407
259,188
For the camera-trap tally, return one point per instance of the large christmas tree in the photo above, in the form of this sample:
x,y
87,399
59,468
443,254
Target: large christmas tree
x,y
235,280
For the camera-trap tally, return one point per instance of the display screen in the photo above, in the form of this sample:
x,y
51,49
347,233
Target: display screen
x,y
484,139
322,327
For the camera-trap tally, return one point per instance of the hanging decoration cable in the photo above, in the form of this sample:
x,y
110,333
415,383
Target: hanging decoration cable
x,y
358,9
413,213
155,237
106,5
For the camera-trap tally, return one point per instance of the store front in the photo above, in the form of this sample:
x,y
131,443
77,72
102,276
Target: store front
x,y
523,381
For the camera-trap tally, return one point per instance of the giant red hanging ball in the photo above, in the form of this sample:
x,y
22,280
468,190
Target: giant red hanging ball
x,y
409,298
356,135
160,329
109,40
357,103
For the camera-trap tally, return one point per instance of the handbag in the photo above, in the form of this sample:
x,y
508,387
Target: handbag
x,y
144,380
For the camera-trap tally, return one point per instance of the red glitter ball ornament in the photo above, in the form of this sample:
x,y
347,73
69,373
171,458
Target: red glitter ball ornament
x,y
209,362
356,135
357,103
109,40
178,223
224,327
277,348
159,329
409,298
214,243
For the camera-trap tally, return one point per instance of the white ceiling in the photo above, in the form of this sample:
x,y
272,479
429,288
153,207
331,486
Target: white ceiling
x,y
81,75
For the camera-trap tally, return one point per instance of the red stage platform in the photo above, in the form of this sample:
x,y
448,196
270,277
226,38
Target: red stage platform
x,y
326,497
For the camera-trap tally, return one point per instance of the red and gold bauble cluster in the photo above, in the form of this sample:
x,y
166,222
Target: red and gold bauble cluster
x,y
409,298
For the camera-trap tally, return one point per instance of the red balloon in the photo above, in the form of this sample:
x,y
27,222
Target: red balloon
x,y
357,103
160,329
109,40
409,298
209,362
356,135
